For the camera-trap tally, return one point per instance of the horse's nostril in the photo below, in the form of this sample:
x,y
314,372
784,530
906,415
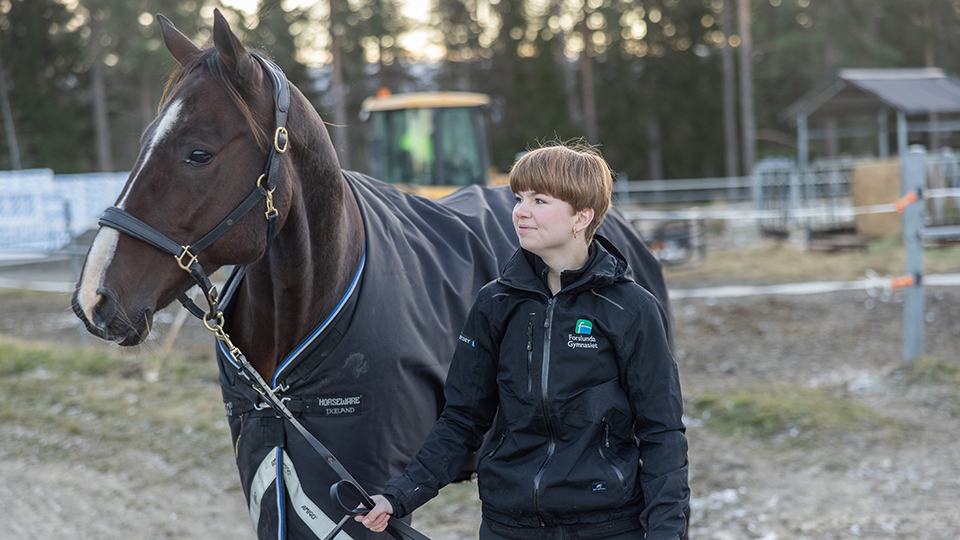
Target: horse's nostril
x,y
105,310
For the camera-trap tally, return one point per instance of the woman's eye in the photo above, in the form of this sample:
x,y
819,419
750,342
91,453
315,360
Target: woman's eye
x,y
199,157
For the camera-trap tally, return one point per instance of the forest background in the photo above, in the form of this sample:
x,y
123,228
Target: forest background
x,y
666,88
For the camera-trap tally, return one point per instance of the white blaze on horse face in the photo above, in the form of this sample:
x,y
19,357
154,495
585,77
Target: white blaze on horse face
x,y
166,123
105,243
101,253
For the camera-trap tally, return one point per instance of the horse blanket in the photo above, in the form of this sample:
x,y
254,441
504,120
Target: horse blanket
x,y
368,383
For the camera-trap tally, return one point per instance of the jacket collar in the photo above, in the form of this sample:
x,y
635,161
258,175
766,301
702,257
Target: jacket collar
x,y
605,265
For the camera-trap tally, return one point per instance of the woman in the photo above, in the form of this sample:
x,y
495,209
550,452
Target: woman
x,y
571,359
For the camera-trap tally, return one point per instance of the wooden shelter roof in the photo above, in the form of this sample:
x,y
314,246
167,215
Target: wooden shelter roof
x,y
856,92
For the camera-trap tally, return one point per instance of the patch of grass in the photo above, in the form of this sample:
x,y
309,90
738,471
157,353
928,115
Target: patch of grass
x,y
931,370
889,246
18,358
934,383
773,263
782,414
60,394
456,508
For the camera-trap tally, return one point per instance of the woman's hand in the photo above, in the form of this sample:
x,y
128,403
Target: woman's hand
x,y
377,519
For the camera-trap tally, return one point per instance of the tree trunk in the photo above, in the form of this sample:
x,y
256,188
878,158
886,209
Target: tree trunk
x,y
148,109
654,148
574,111
101,123
589,97
340,139
729,92
748,122
7,110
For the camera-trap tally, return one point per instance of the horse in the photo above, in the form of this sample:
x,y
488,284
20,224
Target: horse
x,y
346,296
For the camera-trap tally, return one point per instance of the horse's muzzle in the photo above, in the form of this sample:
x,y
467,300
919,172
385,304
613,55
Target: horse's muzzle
x,y
110,322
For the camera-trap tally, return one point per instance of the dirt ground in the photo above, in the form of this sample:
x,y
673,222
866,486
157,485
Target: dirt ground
x,y
895,475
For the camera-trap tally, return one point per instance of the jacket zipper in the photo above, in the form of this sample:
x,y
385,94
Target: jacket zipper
x,y
530,352
605,443
544,379
497,447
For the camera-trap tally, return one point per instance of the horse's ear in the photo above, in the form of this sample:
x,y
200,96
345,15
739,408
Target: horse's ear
x,y
232,52
178,44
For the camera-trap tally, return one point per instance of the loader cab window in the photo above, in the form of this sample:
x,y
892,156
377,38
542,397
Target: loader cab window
x,y
429,146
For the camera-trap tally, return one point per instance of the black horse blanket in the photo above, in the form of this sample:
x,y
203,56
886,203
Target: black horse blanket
x,y
368,383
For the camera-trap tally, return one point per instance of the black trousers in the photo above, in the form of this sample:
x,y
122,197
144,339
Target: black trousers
x,y
487,534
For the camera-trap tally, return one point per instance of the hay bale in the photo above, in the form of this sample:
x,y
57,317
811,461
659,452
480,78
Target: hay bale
x,y
876,182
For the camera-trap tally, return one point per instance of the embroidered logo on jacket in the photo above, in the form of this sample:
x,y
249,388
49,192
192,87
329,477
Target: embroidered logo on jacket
x,y
584,327
468,341
582,338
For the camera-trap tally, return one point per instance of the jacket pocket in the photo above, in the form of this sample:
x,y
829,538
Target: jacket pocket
x,y
496,447
605,453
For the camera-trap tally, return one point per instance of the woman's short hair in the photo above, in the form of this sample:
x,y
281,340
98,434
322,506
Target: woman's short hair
x,y
574,173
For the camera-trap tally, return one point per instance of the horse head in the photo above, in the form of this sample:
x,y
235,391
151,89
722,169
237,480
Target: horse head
x,y
199,160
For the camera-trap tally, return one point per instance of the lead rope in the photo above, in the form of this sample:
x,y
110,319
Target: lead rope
x,y
396,528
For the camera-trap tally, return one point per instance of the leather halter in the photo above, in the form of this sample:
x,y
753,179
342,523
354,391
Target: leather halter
x,y
187,255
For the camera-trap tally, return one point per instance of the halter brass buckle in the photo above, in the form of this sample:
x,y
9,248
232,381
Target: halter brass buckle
x,y
186,251
271,212
277,140
213,296
215,325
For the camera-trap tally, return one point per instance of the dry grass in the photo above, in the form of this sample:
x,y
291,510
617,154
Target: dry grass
x,y
774,263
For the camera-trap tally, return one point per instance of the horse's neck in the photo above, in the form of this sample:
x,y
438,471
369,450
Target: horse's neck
x,y
300,281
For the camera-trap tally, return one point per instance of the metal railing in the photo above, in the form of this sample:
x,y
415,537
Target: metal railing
x,y
783,197
655,192
814,198
41,211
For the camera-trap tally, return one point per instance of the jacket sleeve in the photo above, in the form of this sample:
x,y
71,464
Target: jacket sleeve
x,y
653,383
471,404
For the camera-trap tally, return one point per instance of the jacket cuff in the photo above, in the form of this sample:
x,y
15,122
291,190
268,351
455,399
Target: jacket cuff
x,y
403,495
393,496
394,503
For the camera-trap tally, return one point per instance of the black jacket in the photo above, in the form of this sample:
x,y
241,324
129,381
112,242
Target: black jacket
x,y
583,388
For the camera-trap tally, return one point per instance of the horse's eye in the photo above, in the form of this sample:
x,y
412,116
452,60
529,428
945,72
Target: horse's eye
x,y
199,158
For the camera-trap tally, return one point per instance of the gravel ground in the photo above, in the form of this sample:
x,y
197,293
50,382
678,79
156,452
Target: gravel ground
x,y
851,482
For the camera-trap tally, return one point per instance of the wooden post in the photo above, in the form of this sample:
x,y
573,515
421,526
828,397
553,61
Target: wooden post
x,y
913,308
883,135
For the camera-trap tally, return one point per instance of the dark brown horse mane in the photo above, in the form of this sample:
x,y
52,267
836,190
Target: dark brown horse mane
x,y
210,59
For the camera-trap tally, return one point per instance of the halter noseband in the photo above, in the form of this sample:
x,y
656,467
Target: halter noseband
x,y
186,255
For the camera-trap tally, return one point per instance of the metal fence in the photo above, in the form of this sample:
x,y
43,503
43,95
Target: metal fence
x,y
782,197
41,211
942,175
816,198
699,190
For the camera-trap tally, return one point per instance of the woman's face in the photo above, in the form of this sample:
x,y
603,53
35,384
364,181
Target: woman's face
x,y
543,223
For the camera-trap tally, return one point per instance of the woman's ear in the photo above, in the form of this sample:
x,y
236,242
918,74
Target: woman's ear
x,y
584,218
